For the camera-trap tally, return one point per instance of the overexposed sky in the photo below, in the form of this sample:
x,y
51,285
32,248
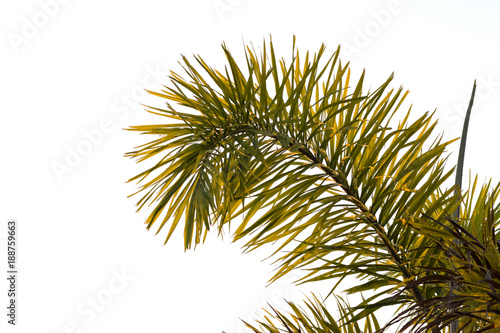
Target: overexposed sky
x,y
72,76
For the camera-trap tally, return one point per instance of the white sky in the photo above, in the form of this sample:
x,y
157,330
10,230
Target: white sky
x,y
80,69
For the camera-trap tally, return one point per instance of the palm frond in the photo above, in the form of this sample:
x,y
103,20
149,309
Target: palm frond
x,y
297,154
468,259
315,318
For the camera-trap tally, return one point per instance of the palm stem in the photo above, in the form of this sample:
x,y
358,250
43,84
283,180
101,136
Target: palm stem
x,y
372,219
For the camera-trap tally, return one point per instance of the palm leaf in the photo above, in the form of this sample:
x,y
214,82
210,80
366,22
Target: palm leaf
x,y
468,258
314,318
297,154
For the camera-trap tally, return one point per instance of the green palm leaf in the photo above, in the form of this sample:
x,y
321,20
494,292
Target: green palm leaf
x,y
296,154
314,318
468,259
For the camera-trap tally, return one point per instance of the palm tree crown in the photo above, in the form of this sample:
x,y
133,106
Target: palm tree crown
x,y
295,153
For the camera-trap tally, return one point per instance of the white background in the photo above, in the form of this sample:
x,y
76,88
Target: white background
x,y
79,67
